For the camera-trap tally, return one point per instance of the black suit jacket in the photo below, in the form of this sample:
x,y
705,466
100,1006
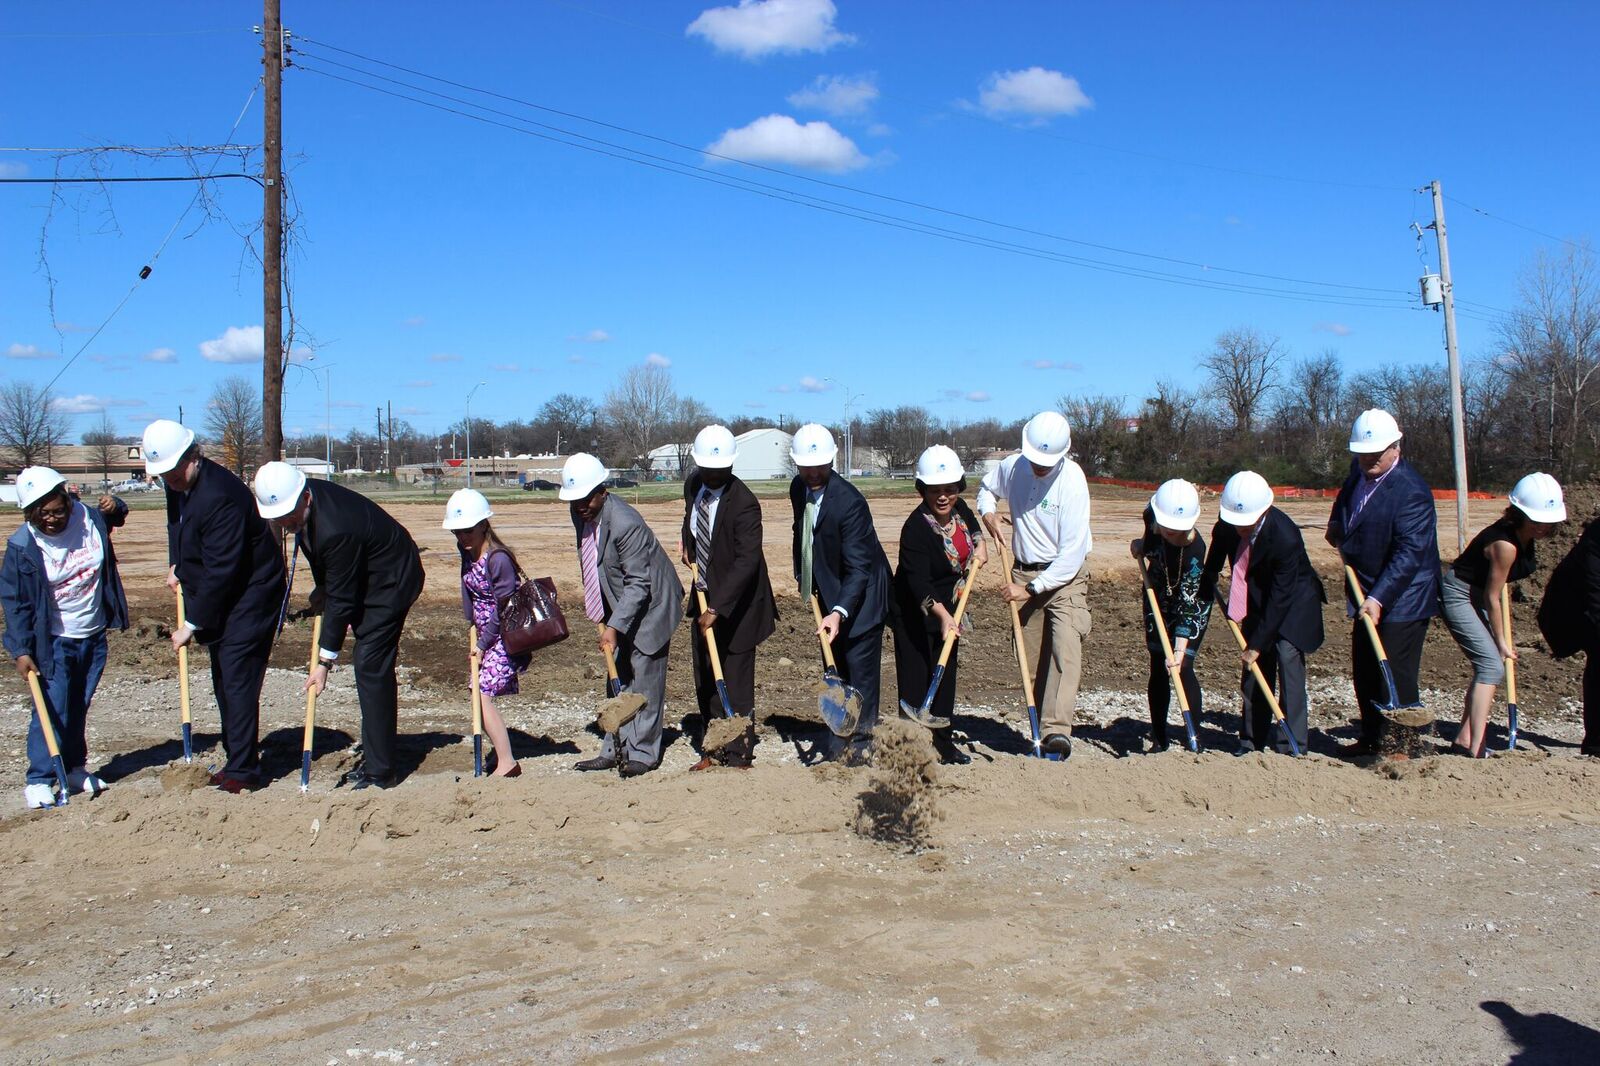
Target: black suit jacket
x,y
1285,596
848,566
737,585
924,573
362,560
229,562
1569,614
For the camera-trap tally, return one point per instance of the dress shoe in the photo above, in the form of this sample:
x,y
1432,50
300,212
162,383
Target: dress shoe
x,y
1244,748
635,769
1058,744
706,762
359,779
599,762
235,786
1159,746
1357,749
949,751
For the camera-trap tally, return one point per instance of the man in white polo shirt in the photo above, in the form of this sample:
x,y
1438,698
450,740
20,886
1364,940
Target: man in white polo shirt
x,y
1049,499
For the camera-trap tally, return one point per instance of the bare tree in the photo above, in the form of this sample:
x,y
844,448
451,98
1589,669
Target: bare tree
x,y
898,435
639,410
233,419
1099,431
1243,368
689,416
30,423
102,441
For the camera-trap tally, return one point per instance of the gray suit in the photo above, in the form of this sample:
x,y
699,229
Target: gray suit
x,y
642,594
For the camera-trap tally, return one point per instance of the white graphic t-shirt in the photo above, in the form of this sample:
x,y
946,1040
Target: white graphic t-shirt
x,y
72,561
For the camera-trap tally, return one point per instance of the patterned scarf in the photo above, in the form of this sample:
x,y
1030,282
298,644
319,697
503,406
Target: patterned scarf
x,y
957,545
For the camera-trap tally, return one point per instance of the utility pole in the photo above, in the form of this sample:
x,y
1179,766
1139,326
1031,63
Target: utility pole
x,y
1458,417
272,237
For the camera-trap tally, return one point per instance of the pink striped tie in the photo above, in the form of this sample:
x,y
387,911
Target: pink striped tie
x,y
589,556
1238,592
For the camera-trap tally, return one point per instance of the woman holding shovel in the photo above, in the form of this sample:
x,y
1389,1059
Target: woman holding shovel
x,y
1501,553
937,546
1173,555
488,577
61,591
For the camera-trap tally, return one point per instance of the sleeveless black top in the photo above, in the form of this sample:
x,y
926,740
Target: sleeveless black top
x,y
1472,565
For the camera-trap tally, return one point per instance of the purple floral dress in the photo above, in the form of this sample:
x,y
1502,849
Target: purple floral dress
x,y
484,584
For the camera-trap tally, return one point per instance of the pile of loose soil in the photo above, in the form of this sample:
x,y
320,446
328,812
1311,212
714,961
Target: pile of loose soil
x,y
900,804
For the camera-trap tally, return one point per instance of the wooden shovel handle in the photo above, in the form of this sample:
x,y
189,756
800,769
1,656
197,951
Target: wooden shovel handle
x,y
1361,599
311,694
1255,670
183,663
611,660
1511,664
474,661
1161,631
827,649
711,641
1016,627
44,715
961,609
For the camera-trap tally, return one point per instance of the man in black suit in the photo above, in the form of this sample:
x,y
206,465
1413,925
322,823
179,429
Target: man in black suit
x,y
230,568
1274,595
368,575
838,558
722,536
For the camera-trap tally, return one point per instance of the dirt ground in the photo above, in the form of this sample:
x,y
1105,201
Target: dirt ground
x,y
1121,906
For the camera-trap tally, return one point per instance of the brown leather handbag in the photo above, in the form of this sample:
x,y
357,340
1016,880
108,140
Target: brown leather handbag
x,y
530,618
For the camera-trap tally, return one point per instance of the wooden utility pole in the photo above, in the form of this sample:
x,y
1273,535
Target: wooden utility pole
x,y
1458,419
272,239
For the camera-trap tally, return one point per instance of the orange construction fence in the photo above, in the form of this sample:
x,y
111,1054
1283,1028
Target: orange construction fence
x,y
1282,491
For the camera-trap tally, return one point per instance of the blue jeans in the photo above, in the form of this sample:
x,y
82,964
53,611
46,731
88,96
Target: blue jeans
x,y
77,663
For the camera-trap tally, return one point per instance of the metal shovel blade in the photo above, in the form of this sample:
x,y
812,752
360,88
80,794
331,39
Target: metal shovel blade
x,y
839,705
923,717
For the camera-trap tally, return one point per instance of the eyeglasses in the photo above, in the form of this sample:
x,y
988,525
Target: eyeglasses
x,y
53,512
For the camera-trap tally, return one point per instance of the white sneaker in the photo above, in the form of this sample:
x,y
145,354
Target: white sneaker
x,y
81,780
38,795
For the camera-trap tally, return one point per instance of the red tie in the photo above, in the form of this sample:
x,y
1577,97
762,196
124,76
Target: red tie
x,y
1238,594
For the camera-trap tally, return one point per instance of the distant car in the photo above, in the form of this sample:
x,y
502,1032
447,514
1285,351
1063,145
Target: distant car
x,y
539,483
132,486
620,483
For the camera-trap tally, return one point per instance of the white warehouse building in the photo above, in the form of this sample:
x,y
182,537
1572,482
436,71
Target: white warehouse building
x,y
763,454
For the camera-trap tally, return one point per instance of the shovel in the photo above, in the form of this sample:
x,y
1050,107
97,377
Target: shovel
x,y
1511,672
619,707
921,715
63,790
1262,686
1411,715
1022,665
477,705
311,710
183,686
1166,649
718,737
839,704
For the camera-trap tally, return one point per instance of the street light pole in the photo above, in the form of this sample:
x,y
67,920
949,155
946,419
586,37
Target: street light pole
x,y
474,388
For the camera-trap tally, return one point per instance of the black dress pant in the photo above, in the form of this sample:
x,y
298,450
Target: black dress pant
x,y
1403,643
1159,689
238,667
916,652
738,673
860,660
1284,667
377,650
1591,701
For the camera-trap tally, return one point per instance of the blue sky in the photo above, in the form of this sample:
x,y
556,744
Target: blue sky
x,y
436,251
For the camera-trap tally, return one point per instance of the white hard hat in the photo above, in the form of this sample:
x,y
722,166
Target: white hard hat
x,y
1538,496
278,488
581,474
35,483
165,441
1176,505
467,507
812,446
714,448
939,465
1374,430
1245,498
1046,438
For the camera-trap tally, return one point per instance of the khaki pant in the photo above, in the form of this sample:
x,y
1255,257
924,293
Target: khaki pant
x,y
1053,627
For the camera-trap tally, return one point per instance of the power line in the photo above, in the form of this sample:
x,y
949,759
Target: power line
x,y
161,149
770,169
1508,222
129,33
109,181
630,155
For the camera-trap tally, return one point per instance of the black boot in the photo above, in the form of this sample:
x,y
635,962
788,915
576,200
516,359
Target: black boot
x,y
948,751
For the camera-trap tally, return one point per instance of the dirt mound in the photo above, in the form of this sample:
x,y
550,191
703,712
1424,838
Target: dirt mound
x,y
900,806
184,777
720,732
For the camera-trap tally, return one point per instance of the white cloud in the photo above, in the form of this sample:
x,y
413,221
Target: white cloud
x,y
420,384
657,359
83,404
13,170
837,94
414,322
755,405
238,344
161,355
594,336
756,28
780,139
978,396
1035,92
28,351
1053,364
444,357
505,368
781,388
811,384
1338,329
410,412
577,360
